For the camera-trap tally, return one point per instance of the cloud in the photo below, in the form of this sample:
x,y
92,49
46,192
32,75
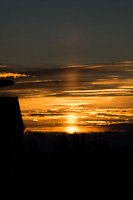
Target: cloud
x,y
13,75
110,119
127,62
48,70
60,88
102,70
3,66
108,80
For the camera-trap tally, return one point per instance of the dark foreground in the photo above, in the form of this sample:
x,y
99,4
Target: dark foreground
x,y
76,171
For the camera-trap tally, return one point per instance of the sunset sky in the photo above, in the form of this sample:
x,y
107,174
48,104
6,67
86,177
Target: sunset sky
x,y
76,98
72,63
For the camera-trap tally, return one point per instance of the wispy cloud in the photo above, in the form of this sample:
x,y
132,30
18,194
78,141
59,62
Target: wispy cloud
x,y
120,66
3,66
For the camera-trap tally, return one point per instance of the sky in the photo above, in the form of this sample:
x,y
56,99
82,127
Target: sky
x,y
71,61
37,32
74,98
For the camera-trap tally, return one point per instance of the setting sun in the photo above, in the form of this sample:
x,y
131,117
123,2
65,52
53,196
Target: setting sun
x,y
71,129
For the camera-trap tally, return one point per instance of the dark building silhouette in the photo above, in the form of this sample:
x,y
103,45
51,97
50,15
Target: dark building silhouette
x,y
83,139
75,140
11,128
11,141
61,143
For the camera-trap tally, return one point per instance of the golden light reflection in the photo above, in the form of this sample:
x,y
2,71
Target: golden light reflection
x,y
72,120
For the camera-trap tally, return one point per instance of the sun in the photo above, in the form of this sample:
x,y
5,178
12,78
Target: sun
x,y
71,129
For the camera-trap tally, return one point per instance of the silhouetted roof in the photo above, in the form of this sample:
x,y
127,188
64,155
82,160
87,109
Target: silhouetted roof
x,y
10,115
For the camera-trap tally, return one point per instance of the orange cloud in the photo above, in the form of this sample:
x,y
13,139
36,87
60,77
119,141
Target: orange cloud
x,y
14,75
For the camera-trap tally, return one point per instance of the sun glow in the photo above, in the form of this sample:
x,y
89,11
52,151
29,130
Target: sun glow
x,y
71,129
72,120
